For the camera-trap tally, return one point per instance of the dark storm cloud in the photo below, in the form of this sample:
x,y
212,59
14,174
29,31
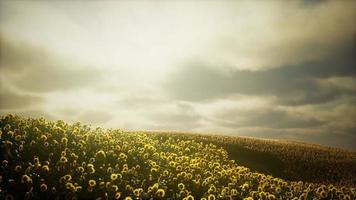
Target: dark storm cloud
x,y
295,84
11,100
34,69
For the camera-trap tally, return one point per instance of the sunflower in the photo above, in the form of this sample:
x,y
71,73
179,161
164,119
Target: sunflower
x,y
145,156
18,138
92,183
113,177
43,187
69,186
154,170
5,162
67,177
211,197
54,190
347,197
323,194
63,160
160,193
91,168
25,179
9,197
165,173
64,140
179,168
189,176
114,188
109,170
172,163
117,195
137,192
181,186
21,147
122,156
271,197
100,154
43,137
245,187
91,160
189,197
18,168
78,188
28,195
233,192
80,169
212,189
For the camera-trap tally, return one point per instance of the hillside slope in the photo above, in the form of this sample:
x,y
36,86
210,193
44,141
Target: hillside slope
x,y
54,160
291,160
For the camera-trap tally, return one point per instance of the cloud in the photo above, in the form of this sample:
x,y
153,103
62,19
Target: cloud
x,y
252,111
339,115
56,79
271,118
142,99
14,101
35,69
263,117
266,69
339,83
294,84
277,34
249,35
17,56
181,116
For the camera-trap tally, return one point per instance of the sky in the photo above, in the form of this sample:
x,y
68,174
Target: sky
x,y
269,69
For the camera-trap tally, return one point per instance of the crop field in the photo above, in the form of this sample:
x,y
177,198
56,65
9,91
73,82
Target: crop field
x,y
292,160
43,159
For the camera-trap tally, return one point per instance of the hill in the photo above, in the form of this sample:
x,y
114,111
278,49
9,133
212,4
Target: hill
x,y
291,160
54,160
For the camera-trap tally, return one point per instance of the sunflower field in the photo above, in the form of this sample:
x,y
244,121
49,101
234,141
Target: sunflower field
x,y
292,160
54,160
